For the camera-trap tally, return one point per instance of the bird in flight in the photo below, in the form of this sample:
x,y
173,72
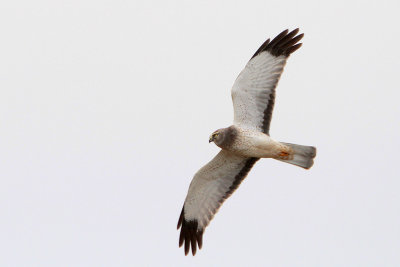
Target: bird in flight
x,y
245,142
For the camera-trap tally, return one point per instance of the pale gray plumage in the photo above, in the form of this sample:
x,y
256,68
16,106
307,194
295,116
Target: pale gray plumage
x,y
225,138
243,143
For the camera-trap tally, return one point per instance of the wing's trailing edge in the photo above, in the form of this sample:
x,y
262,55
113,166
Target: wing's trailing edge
x,y
211,186
253,92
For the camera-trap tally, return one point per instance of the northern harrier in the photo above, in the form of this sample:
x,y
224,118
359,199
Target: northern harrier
x,y
245,142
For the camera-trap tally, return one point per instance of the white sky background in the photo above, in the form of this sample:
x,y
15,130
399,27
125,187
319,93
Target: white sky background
x,y
105,112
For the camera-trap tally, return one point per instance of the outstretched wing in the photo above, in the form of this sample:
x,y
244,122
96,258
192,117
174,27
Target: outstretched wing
x,y
253,92
211,185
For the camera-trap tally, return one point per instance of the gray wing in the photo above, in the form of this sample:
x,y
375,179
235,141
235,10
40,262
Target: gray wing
x,y
253,93
210,187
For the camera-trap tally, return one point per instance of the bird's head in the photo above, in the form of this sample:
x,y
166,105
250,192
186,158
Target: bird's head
x,y
223,137
216,136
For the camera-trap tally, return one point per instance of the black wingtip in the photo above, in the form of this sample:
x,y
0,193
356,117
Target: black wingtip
x,y
190,235
262,47
284,44
180,220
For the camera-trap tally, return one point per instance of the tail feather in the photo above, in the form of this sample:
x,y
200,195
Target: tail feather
x,y
303,156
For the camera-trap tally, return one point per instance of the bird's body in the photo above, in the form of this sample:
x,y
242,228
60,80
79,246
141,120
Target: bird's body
x,y
245,142
250,143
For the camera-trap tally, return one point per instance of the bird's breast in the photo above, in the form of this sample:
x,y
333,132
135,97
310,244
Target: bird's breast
x,y
253,144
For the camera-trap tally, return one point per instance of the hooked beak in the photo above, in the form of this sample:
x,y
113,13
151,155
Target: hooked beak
x,y
211,139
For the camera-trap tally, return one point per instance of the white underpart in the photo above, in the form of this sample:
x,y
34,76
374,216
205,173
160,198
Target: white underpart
x,y
256,144
210,185
254,88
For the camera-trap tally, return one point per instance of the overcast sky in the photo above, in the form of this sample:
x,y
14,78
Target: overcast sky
x,y
106,108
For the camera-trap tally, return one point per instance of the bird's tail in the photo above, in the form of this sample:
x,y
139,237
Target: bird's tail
x,y
303,156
